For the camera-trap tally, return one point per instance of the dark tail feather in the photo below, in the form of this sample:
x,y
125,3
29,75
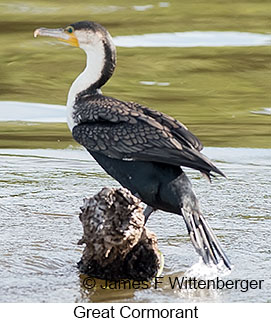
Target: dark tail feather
x,y
203,239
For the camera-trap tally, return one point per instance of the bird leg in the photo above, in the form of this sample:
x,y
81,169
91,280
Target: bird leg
x,y
147,212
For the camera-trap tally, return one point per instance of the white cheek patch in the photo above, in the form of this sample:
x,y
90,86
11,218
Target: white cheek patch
x,y
87,37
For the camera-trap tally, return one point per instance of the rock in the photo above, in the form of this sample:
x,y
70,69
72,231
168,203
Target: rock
x,y
118,246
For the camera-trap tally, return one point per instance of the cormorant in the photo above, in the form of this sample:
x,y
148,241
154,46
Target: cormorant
x,y
141,148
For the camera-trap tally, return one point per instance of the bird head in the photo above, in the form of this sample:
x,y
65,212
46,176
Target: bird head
x,y
80,34
95,40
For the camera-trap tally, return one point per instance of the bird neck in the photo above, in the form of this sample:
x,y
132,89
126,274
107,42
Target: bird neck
x,y
91,74
99,68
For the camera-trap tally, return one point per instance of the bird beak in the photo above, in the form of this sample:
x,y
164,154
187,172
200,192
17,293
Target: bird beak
x,y
59,33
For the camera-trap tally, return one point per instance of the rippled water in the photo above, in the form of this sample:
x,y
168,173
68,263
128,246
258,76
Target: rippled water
x,y
207,65
42,190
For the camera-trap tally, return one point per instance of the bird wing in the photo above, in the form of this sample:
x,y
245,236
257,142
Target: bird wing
x,y
106,108
121,131
179,130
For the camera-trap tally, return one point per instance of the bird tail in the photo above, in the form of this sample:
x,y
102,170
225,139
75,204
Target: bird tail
x,y
203,238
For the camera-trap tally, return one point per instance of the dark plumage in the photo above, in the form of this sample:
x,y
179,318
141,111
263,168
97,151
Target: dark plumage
x,y
141,148
126,130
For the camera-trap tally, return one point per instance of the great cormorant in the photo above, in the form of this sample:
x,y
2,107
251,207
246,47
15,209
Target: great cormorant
x,y
141,148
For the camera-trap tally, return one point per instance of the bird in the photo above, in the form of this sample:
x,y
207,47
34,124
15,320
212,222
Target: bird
x,y
141,148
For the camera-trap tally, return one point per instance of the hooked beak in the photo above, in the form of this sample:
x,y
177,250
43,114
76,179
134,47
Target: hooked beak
x,y
59,33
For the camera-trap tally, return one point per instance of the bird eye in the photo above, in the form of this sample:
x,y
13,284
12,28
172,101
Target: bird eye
x,y
70,29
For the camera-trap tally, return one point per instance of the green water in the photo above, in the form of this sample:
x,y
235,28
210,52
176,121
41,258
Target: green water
x,y
212,90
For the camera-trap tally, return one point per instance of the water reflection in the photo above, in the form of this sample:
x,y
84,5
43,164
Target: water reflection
x,y
31,112
100,291
194,39
266,111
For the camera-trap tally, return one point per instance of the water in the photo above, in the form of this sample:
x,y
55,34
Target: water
x,y
221,80
42,190
207,65
33,112
194,39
